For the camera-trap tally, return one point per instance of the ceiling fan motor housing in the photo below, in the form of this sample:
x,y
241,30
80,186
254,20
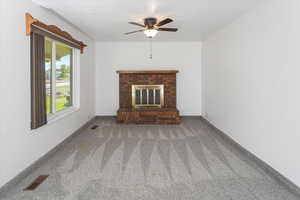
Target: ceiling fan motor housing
x,y
150,22
151,26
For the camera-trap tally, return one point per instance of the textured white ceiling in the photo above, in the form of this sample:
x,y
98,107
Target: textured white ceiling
x,y
106,20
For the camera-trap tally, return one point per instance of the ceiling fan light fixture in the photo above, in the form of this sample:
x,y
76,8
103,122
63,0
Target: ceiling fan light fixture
x,y
150,33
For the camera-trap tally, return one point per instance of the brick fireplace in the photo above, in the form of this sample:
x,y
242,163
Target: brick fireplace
x,y
148,97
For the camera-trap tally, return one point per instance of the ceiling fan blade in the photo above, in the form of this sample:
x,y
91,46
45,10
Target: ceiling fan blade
x,y
137,24
134,32
168,29
163,22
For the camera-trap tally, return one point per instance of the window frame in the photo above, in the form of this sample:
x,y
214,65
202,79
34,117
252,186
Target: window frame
x,y
74,80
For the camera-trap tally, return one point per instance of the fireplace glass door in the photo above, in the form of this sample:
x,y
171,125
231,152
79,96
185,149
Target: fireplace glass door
x,y
147,96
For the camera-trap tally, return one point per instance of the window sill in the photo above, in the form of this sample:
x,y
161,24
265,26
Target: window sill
x,y
60,115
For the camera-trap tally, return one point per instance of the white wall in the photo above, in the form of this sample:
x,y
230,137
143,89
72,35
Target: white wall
x,y
20,146
251,83
1,82
183,56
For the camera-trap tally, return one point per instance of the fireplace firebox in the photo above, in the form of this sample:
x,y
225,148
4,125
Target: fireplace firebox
x,y
147,97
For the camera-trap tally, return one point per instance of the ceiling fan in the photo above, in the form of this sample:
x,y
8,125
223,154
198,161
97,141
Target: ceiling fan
x,y
151,26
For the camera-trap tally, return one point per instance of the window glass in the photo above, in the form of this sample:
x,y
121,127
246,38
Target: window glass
x,y
63,68
48,71
58,73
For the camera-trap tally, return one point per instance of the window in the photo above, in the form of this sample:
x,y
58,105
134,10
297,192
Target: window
x,y
59,75
54,67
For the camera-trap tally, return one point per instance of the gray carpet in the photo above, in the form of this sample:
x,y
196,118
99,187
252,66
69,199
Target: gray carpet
x,y
151,162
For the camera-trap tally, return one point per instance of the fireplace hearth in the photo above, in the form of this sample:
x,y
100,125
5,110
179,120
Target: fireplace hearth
x,y
147,97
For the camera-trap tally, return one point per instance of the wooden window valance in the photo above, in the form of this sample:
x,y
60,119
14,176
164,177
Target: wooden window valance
x,y
51,31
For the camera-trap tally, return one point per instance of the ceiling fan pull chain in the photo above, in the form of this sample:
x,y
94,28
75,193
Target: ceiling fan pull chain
x,y
150,48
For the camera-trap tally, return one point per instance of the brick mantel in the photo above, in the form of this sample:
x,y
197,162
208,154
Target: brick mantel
x,y
147,72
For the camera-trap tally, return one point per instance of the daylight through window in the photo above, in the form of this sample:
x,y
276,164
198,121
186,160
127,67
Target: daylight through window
x,y
59,76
